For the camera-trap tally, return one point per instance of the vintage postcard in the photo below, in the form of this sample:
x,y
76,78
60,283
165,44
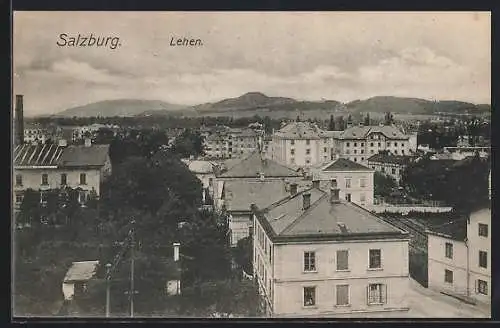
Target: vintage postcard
x,y
251,164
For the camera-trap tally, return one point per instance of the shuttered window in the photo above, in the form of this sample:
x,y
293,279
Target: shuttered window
x,y
342,294
342,260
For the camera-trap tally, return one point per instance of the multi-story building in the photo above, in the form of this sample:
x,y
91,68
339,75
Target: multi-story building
x,y
46,167
226,142
303,144
390,165
317,255
358,143
355,181
460,257
35,134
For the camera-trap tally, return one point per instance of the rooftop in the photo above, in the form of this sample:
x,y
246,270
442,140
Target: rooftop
x,y
323,219
342,164
452,228
391,159
300,130
361,132
254,164
54,155
81,271
240,194
202,167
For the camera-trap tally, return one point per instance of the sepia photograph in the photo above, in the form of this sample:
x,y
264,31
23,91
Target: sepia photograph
x,y
251,165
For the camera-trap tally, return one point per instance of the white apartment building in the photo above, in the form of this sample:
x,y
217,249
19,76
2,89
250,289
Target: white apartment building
x,y
355,181
460,258
390,165
317,255
225,142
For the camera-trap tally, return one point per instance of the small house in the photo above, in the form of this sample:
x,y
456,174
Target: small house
x,y
76,279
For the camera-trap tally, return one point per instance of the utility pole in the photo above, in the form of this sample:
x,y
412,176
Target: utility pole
x,y
108,280
132,264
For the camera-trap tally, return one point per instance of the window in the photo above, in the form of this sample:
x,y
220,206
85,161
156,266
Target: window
x,y
355,151
308,161
19,198
292,142
388,144
379,144
362,144
448,250
348,182
362,198
292,151
395,144
347,144
402,152
43,198
371,144
371,151
482,287
325,149
19,180
45,179
309,296
483,230
347,151
483,259
309,261
83,178
82,197
342,260
448,276
393,171
348,197
362,151
395,151
355,159
342,296
377,294
355,144
308,151
362,182
308,142
375,259
63,179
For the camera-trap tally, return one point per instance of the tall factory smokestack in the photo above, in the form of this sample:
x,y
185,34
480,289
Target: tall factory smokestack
x,y
19,119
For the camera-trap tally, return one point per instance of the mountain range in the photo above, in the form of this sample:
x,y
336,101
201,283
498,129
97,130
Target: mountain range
x,y
257,103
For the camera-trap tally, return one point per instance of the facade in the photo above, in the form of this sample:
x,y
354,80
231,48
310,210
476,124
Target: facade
x,y
389,164
46,167
76,279
317,255
355,181
303,144
226,142
460,259
358,143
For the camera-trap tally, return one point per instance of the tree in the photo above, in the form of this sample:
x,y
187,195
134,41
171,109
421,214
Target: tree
x,y
340,123
189,143
244,254
297,119
389,118
367,120
331,124
383,184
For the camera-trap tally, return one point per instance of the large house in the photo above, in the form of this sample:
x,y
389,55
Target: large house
x,y
46,167
224,142
355,181
205,172
318,255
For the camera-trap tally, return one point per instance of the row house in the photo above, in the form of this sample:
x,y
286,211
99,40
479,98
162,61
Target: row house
x,y
317,255
46,167
355,181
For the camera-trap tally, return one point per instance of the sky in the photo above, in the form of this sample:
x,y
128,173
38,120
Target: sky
x,y
340,56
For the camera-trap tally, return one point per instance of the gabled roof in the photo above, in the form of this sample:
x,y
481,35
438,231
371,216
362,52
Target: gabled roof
x,y
391,159
300,130
202,167
81,271
78,156
343,164
361,132
239,195
255,164
452,229
37,155
323,220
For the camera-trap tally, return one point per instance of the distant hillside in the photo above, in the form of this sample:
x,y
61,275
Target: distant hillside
x,y
250,100
120,107
414,106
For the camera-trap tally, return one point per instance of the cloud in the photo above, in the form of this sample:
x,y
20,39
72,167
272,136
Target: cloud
x,y
70,69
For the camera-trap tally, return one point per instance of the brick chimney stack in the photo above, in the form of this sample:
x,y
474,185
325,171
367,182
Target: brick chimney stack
x,y
19,119
293,189
306,201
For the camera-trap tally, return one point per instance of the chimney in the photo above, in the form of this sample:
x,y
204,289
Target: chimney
x,y
316,184
62,143
19,119
88,142
176,251
306,201
293,189
361,124
334,195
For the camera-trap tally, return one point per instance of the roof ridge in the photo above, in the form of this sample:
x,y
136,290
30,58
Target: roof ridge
x,y
376,217
307,211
